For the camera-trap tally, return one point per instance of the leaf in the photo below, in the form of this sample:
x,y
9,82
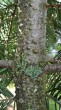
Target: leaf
x,y
3,70
5,92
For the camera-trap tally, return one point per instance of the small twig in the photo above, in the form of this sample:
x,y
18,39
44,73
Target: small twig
x,y
13,15
52,5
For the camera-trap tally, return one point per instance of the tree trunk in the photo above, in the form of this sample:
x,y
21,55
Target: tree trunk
x,y
30,92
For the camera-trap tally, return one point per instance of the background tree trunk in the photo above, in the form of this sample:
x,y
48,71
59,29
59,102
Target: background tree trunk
x,y
30,93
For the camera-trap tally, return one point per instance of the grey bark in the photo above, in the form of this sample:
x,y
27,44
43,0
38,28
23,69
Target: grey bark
x,y
30,93
32,26
6,64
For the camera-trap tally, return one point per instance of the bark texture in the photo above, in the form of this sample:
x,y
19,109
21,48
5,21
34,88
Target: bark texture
x,y
32,27
30,93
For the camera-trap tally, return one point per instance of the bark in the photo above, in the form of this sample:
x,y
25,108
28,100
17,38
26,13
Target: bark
x,y
49,68
53,5
52,68
32,20
30,93
6,64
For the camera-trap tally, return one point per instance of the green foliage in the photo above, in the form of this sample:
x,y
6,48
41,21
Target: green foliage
x,y
33,71
5,79
8,39
53,34
30,70
8,29
53,24
52,105
54,86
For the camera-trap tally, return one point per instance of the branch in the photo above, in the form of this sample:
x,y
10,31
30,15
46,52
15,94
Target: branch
x,y
52,68
49,68
53,5
13,15
6,64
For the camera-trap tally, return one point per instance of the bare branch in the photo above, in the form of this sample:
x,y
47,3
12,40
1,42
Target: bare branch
x,y
53,5
6,64
52,68
49,68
